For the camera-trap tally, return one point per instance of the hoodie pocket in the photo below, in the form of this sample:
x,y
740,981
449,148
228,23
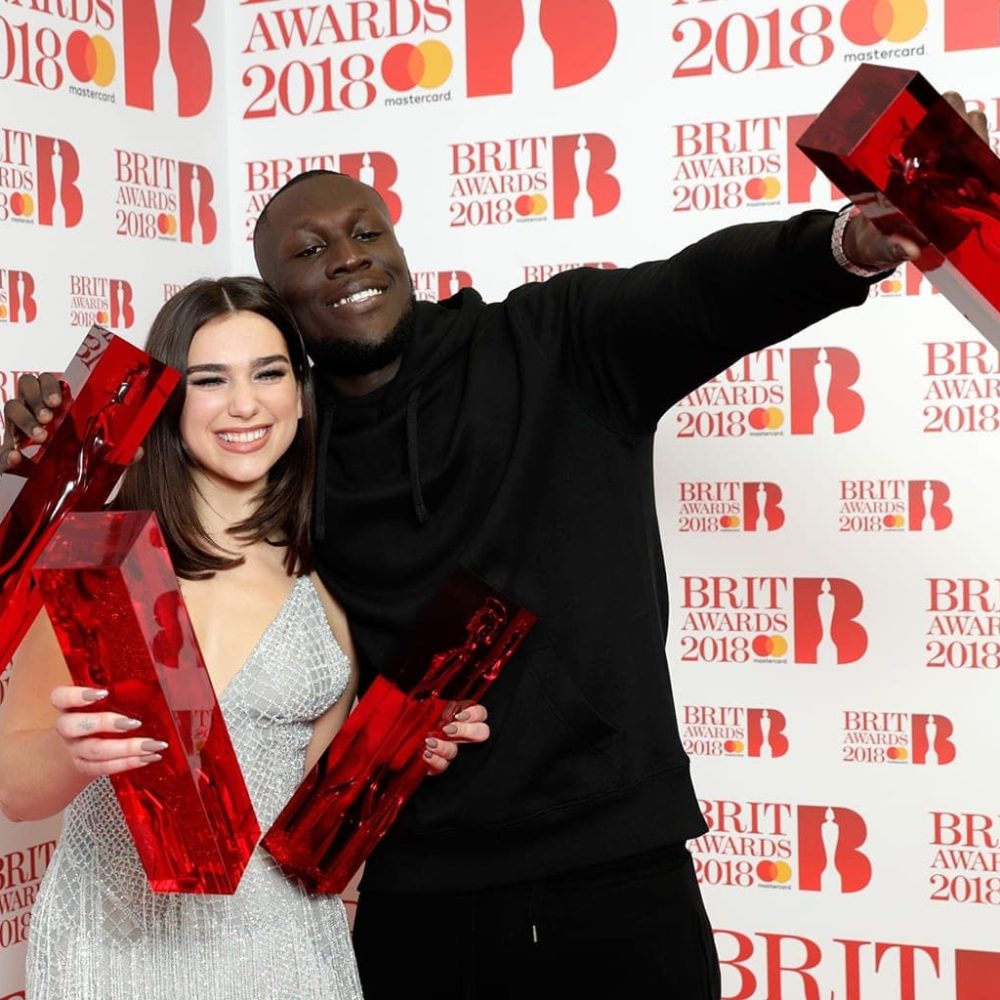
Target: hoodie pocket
x,y
549,749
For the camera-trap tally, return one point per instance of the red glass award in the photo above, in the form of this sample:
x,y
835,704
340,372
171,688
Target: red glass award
x,y
914,166
113,599
463,639
115,393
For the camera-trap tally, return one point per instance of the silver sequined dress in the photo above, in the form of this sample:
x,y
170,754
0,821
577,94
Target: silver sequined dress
x,y
98,932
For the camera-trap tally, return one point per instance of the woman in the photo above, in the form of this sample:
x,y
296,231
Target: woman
x,y
229,470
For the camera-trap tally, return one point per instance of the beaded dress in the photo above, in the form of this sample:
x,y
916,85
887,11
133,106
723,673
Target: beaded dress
x,y
97,931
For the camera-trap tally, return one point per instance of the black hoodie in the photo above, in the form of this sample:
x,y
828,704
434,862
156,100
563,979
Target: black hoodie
x,y
517,441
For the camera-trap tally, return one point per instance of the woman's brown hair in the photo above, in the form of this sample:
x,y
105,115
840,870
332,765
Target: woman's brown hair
x,y
162,481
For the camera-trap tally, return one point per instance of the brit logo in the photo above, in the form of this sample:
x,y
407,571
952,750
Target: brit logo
x,y
777,391
966,865
104,301
38,179
724,164
908,280
542,272
53,52
330,58
777,845
496,182
733,731
374,168
21,872
763,964
719,40
17,296
729,506
761,618
897,738
964,627
436,286
894,505
513,45
960,387
158,197
168,63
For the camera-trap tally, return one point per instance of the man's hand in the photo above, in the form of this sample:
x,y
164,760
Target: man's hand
x,y
28,413
867,246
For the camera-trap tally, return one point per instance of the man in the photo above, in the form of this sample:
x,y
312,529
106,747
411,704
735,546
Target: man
x,y
515,439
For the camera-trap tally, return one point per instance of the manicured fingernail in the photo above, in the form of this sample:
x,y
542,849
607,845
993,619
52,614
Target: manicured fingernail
x,y
151,746
53,399
94,694
450,729
39,434
125,724
431,742
44,414
151,758
428,754
462,716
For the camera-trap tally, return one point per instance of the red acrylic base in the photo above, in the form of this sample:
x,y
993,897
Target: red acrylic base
x,y
465,637
115,393
113,599
914,166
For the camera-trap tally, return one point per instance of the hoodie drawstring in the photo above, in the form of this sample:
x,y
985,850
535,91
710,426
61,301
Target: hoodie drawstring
x,y
413,456
319,507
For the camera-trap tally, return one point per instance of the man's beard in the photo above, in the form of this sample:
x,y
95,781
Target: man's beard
x,y
350,358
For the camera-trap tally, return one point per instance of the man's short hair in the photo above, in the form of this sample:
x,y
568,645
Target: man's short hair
x,y
304,176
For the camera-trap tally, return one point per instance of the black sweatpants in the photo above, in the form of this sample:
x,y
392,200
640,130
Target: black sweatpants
x,y
634,928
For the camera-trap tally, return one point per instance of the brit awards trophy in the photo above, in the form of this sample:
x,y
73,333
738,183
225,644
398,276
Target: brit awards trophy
x,y
914,166
462,641
111,593
115,393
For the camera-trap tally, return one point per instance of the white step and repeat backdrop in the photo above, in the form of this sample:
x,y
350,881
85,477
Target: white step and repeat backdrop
x,y
827,505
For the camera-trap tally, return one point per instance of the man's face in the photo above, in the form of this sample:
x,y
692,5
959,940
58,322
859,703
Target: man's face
x,y
328,248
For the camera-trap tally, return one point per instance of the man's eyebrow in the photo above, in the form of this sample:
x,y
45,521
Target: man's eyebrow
x,y
256,363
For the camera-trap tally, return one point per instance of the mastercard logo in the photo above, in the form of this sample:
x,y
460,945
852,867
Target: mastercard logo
x,y
90,58
426,65
768,418
763,188
897,753
770,645
894,520
729,521
891,286
22,205
774,871
733,746
866,22
166,224
531,204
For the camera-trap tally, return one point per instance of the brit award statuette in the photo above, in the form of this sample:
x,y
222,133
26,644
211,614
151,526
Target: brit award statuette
x,y
465,636
914,166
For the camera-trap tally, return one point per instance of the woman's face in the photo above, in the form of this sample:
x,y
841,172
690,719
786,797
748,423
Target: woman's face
x,y
243,403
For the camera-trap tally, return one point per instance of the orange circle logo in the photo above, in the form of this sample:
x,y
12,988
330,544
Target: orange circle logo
x,y
763,188
531,204
426,65
90,58
22,204
766,419
166,224
867,22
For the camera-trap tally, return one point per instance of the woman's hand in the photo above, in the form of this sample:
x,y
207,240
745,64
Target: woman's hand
x,y
93,754
469,726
